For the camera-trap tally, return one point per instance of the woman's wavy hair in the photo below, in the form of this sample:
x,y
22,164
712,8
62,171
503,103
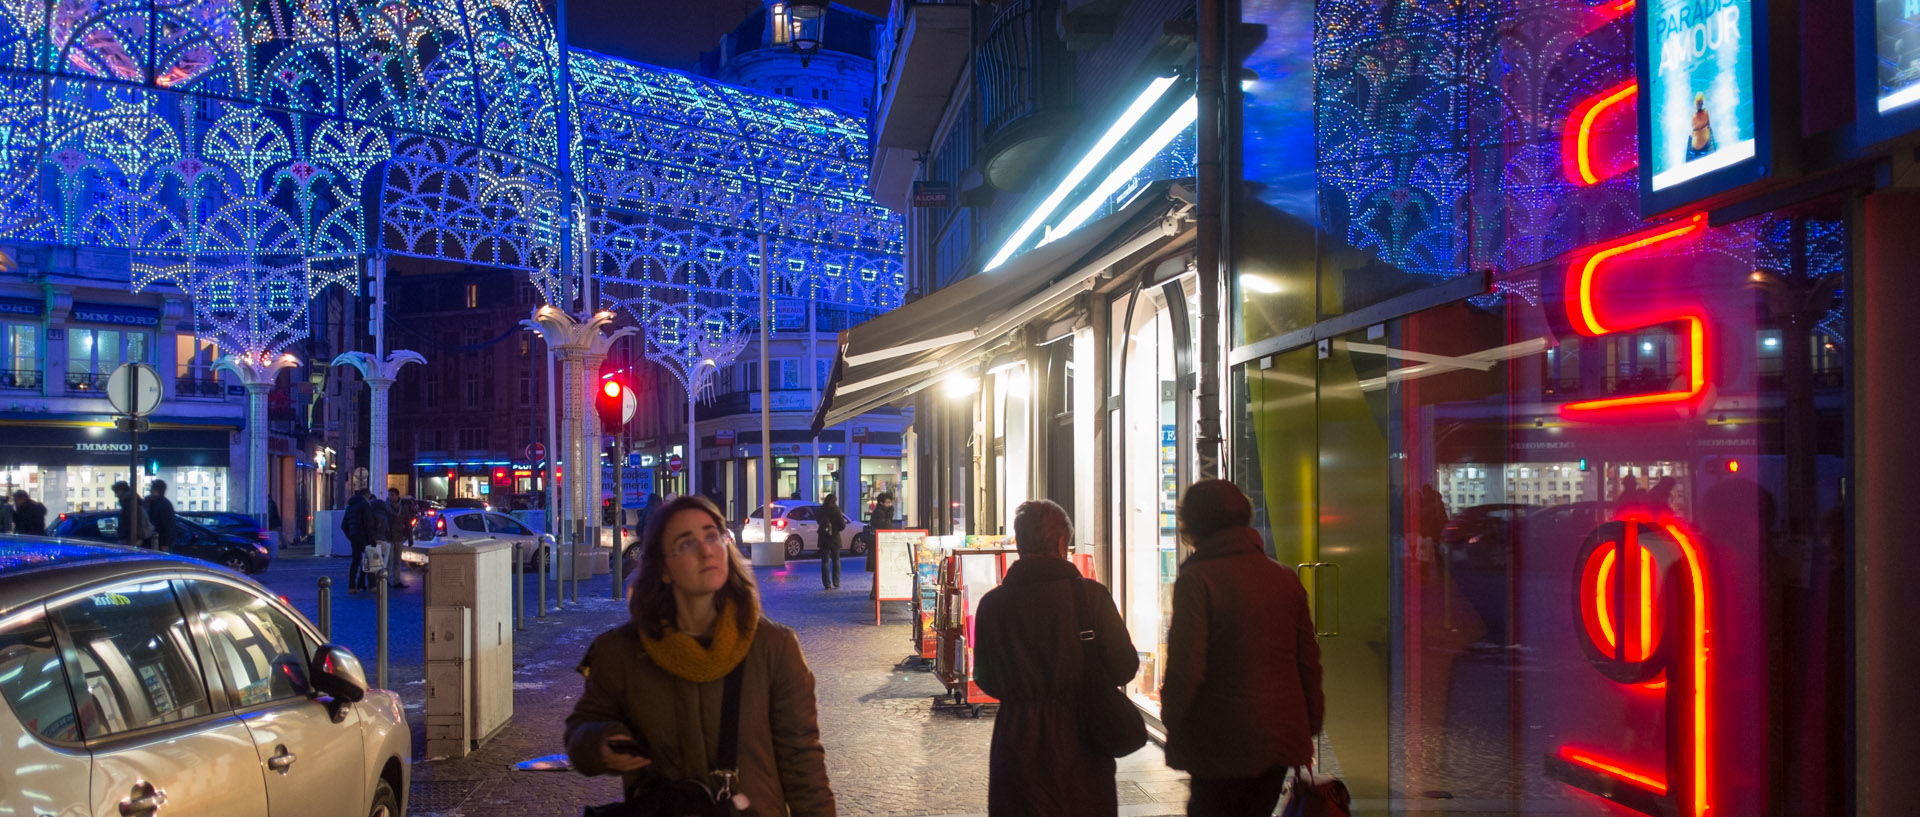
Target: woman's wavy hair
x,y
650,598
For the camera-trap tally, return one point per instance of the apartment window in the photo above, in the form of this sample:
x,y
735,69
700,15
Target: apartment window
x,y
470,389
473,296
93,354
21,354
526,388
193,367
430,384
473,439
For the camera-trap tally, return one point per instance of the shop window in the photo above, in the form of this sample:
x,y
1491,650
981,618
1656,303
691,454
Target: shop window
x,y
20,356
132,663
193,368
93,354
256,647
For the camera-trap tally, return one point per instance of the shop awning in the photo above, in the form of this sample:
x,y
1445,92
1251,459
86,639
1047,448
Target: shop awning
x,y
904,351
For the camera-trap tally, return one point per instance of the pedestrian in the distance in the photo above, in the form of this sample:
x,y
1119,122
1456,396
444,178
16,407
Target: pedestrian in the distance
x,y
1241,696
395,532
135,529
29,517
166,524
657,686
881,519
7,524
359,524
273,515
1030,657
828,523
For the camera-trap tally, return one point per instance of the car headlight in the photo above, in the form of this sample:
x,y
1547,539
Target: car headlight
x,y
260,549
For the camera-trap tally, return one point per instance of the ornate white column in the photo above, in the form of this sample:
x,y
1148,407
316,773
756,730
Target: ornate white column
x,y
380,375
574,341
257,374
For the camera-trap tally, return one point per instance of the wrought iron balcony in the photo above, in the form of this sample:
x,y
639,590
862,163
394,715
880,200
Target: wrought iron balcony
x,y
1025,81
208,386
88,382
25,379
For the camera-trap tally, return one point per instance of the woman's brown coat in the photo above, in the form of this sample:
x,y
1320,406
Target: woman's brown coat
x,y
1030,657
782,765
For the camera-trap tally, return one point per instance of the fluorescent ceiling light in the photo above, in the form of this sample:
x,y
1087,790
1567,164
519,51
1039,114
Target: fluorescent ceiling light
x,y
1128,169
1095,155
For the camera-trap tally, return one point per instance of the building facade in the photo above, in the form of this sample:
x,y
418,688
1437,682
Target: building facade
x,y
1581,461
838,76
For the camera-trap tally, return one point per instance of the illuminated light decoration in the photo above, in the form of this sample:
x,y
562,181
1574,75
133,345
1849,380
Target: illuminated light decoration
x,y
1614,769
1081,169
1616,105
1584,311
1181,119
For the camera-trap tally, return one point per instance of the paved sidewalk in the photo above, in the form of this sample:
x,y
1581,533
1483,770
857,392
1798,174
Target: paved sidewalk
x,y
888,753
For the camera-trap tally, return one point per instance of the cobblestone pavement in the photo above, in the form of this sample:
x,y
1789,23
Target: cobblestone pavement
x,y
889,754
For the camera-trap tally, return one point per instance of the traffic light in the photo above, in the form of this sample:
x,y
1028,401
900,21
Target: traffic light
x,y
615,402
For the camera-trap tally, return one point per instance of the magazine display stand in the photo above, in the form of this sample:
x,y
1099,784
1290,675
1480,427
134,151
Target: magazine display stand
x,y
965,576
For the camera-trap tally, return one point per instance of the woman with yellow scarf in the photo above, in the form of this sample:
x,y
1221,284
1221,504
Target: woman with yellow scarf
x,y
656,687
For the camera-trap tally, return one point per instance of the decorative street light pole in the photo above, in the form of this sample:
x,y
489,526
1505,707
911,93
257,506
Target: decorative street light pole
x,y
575,342
257,374
379,370
694,384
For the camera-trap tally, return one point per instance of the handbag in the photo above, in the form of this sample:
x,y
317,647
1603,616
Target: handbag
x,y
691,797
1109,722
1314,795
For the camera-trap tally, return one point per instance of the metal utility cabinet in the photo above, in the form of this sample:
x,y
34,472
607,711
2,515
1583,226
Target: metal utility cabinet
x,y
474,575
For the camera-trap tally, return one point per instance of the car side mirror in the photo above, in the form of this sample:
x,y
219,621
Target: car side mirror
x,y
337,674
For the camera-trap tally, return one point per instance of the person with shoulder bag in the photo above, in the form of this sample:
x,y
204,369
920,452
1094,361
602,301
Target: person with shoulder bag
x,y
1053,650
702,705
829,523
1241,697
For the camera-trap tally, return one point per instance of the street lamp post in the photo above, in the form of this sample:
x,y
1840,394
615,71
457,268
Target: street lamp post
x,y
693,428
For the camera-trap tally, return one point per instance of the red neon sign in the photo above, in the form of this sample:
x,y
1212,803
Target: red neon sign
x,y
1617,598
1609,112
1593,319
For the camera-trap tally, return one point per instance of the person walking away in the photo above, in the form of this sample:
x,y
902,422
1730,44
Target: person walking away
x,y
136,530
656,686
29,517
1433,520
359,525
393,528
7,524
166,525
1030,657
880,519
829,522
1241,697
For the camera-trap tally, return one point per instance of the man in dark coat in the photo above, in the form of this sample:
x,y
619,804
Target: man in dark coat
x,y
360,528
29,517
135,529
829,523
1241,697
1029,656
166,525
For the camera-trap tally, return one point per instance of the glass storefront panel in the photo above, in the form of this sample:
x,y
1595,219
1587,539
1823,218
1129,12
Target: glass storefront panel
x,y
1565,570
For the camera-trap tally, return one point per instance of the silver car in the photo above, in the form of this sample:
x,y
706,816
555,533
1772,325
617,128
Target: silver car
x,y
138,684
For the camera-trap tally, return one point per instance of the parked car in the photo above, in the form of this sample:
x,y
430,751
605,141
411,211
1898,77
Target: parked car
x,y
469,503
139,683
241,554
238,524
453,524
795,525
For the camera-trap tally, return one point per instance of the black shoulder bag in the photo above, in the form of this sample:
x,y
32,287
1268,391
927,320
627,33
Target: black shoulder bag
x,y
1109,722
714,797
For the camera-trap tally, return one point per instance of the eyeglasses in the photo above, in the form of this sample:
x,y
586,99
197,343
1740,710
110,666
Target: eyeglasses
x,y
689,545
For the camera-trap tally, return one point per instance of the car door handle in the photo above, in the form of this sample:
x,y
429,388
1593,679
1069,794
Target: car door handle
x,y
282,761
146,799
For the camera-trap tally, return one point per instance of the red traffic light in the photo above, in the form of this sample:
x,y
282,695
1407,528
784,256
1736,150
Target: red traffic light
x,y
610,389
615,403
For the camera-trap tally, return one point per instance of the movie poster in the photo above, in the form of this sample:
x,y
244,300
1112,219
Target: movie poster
x,y
1703,91
1897,39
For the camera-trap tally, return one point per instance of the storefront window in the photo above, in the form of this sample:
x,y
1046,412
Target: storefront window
x,y
20,356
1012,393
1543,553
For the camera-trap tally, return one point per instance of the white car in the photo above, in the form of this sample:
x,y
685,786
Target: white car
x,y
438,528
794,524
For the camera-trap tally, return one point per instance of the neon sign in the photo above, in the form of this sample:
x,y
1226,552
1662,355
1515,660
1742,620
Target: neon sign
x,y
1592,318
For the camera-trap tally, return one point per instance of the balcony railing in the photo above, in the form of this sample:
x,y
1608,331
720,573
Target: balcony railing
x,y
1024,71
26,379
203,387
88,382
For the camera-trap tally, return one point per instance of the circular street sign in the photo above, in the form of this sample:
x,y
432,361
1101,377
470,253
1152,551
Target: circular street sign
x,y
629,405
674,463
536,452
146,389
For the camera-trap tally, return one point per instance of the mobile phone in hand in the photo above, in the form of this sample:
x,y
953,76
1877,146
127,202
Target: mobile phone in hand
x,y
627,746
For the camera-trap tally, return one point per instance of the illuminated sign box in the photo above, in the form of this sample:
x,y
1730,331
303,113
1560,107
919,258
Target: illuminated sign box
x,y
1887,38
1707,119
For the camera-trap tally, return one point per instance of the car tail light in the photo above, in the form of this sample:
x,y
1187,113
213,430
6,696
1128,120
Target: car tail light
x,y
779,524
440,525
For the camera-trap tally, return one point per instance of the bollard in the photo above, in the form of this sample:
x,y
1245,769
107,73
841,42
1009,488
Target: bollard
x,y
326,608
573,563
519,603
380,625
546,564
619,549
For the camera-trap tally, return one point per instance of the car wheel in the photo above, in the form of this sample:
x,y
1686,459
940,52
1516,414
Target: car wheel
x,y
794,547
859,545
630,558
385,804
236,563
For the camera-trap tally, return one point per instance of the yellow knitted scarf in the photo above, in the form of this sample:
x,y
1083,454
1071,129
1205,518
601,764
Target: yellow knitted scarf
x,y
681,654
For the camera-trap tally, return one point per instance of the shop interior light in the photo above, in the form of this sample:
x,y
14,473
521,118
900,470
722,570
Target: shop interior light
x,y
1169,129
962,385
1259,284
1141,104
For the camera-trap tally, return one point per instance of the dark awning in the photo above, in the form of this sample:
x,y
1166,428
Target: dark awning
x,y
902,352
